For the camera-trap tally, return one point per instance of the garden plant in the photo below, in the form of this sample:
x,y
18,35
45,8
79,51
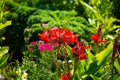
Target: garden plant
x,y
59,40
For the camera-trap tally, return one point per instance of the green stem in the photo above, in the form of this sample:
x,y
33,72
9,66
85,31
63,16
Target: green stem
x,y
96,48
75,67
112,67
112,72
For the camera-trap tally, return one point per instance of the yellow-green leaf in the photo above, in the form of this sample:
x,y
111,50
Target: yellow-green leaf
x,y
102,56
5,24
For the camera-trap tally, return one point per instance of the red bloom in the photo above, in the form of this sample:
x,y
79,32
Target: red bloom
x,y
96,37
58,35
66,76
78,51
44,36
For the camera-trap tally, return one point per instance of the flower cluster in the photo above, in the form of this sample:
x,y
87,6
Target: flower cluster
x,y
45,46
58,35
78,51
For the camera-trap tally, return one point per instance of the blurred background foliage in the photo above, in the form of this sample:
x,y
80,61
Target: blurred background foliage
x,y
81,16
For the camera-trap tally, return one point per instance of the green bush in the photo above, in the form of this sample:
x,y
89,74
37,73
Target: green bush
x,y
58,18
14,33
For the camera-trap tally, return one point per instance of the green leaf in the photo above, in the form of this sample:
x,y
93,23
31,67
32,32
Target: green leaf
x,y
3,60
69,51
117,64
102,56
5,24
99,60
95,77
90,77
117,77
3,51
90,60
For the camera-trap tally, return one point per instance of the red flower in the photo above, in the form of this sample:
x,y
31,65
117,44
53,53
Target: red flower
x,y
44,36
69,37
58,35
78,51
96,37
66,76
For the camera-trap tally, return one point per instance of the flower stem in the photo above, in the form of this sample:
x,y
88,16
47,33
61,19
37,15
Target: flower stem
x,y
96,48
75,67
112,71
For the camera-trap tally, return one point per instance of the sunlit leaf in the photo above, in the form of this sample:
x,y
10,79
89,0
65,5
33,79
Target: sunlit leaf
x,y
102,56
3,60
3,51
5,24
117,64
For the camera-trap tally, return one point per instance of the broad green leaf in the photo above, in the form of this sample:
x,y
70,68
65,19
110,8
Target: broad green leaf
x,y
117,64
116,78
91,61
99,60
5,24
90,56
3,51
3,60
102,56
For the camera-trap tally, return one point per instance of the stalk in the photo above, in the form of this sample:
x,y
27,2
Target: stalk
x,y
75,68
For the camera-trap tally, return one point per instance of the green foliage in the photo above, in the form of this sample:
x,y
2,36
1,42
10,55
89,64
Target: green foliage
x,y
49,4
39,65
92,68
99,14
117,64
58,18
11,72
3,50
115,9
14,33
3,22
3,56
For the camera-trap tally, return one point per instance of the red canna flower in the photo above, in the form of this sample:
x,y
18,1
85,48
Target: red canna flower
x,y
58,35
44,36
96,37
69,37
78,51
67,76
64,77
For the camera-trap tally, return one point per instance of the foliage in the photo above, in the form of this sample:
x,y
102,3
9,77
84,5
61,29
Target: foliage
x,y
14,33
48,37
12,72
3,22
115,8
49,4
3,50
99,13
3,56
56,61
56,18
